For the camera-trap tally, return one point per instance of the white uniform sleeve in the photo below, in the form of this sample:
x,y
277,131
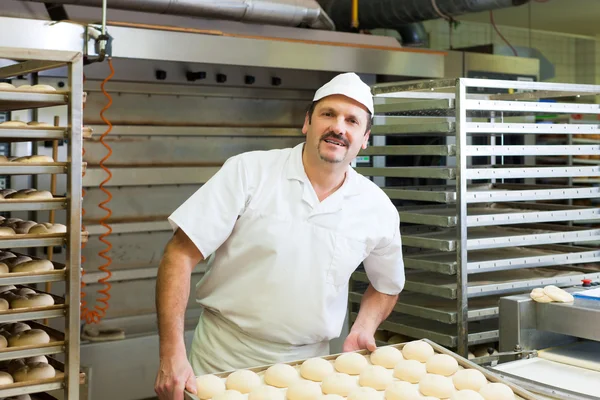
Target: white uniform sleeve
x,y
384,265
209,215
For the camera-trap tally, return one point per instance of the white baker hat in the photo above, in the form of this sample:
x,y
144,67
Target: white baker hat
x,y
349,85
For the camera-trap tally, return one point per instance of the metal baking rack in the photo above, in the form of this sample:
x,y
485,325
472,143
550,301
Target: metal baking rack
x,y
475,223
25,62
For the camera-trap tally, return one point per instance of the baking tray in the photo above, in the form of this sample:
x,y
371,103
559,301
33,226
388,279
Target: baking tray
x,y
35,313
492,283
489,237
16,100
18,168
503,259
439,309
521,394
412,128
484,193
492,214
56,345
57,203
15,278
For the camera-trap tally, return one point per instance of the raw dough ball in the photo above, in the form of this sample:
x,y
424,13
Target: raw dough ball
x,y
243,380
441,364
5,378
466,395
29,338
469,379
497,391
281,375
436,386
208,386
410,371
332,397
316,369
41,87
401,391
376,377
33,266
417,350
538,295
387,357
266,393
34,371
363,393
6,86
229,395
351,363
304,390
338,383
32,301
558,294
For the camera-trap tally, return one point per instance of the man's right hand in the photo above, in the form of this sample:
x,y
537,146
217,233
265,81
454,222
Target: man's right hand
x,y
175,374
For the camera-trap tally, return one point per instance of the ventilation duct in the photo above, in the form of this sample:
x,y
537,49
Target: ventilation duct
x,y
274,12
392,14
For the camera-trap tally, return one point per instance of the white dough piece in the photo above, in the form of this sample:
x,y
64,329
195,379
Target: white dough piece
x,y
469,379
281,375
558,294
351,363
28,338
6,86
229,395
466,395
208,386
363,393
497,391
376,377
34,371
266,393
304,390
410,371
5,378
538,295
243,380
441,364
436,386
338,383
386,356
417,350
401,391
316,369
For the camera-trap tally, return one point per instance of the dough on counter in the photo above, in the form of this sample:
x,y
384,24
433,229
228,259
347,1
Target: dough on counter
x,y
538,295
338,383
558,294
417,350
31,337
34,371
469,379
5,378
229,395
208,386
410,371
436,386
441,364
497,391
316,369
281,375
304,390
266,393
351,363
401,391
33,266
363,393
6,86
466,395
386,356
376,377
243,380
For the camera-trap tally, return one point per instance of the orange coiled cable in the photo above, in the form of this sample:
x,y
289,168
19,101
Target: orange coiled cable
x,y
96,314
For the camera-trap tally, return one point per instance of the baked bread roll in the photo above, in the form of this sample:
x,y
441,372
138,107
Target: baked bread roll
x,y
43,88
7,231
33,266
34,371
23,227
12,220
30,194
13,124
6,86
31,337
31,301
34,159
25,88
5,378
46,228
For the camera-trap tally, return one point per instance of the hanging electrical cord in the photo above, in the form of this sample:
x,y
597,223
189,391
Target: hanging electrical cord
x,y
500,34
96,314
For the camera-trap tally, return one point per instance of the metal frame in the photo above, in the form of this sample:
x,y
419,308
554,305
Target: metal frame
x,y
479,231
29,61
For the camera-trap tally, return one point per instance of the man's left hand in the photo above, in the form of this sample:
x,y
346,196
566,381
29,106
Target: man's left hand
x,y
359,340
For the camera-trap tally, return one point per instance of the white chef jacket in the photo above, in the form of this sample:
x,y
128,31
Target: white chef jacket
x,y
282,259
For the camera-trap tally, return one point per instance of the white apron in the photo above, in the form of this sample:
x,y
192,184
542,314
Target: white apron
x,y
219,346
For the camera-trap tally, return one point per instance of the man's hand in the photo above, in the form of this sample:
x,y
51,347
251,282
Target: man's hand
x,y
175,375
359,340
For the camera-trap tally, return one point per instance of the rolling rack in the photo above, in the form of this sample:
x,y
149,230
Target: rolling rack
x,y
476,227
64,344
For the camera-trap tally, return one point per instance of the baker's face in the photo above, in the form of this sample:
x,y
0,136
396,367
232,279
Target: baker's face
x,y
337,130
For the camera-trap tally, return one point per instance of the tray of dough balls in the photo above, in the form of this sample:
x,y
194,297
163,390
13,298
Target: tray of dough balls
x,y
12,228
36,129
409,371
18,339
30,371
24,300
27,96
27,196
20,268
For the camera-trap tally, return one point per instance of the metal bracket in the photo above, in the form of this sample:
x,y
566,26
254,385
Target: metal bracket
x,y
102,44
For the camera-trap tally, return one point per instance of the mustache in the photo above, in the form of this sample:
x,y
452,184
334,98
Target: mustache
x,y
333,135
